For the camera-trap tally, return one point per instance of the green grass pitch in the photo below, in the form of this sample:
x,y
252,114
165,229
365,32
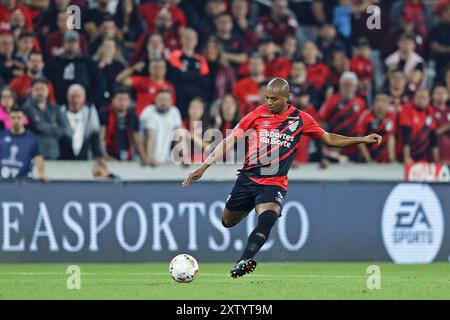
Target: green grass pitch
x,y
269,281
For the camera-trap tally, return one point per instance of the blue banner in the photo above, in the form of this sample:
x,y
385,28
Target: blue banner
x,y
154,221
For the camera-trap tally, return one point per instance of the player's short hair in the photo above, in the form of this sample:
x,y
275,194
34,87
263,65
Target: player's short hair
x,y
161,91
122,90
26,34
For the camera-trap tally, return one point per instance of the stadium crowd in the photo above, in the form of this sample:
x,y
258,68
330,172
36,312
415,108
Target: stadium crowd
x,y
135,73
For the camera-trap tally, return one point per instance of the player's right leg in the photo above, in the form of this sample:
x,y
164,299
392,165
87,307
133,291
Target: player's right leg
x,y
239,203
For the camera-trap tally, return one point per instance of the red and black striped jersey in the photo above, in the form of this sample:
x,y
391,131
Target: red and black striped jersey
x,y
386,127
272,140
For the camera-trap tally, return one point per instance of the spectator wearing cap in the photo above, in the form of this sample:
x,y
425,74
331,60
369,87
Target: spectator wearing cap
x,y
222,75
188,71
160,123
149,12
362,66
54,41
10,7
407,60
233,51
119,129
440,41
35,70
94,18
278,24
342,110
418,130
147,87
46,119
379,120
84,138
299,84
440,103
72,67
18,148
247,89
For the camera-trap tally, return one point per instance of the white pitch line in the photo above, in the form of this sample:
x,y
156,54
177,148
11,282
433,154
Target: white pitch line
x,y
167,274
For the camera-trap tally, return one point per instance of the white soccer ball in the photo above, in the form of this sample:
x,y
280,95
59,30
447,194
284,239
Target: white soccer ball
x,y
183,268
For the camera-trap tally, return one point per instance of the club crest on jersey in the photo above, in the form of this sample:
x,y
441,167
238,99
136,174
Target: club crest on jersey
x,y
293,126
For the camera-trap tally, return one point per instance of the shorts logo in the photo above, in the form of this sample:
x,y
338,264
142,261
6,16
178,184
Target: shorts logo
x,y
279,197
412,224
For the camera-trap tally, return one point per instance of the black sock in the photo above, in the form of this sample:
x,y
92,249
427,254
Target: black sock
x,y
260,234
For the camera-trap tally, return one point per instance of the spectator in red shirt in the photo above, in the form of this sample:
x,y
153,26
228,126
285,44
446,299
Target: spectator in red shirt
x,y
22,84
317,71
54,41
362,66
147,87
246,90
279,24
276,66
381,121
419,130
442,117
341,112
149,12
407,60
9,8
397,91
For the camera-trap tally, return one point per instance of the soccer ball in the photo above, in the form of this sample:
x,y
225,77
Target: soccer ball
x,y
183,268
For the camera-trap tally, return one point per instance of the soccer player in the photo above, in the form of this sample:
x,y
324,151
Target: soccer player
x,y
277,127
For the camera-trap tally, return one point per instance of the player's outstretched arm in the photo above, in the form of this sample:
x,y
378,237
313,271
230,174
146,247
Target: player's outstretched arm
x,y
217,154
338,141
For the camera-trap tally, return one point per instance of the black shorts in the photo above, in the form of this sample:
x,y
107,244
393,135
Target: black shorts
x,y
246,194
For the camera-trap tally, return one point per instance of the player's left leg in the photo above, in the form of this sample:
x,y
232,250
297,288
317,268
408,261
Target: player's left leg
x,y
268,213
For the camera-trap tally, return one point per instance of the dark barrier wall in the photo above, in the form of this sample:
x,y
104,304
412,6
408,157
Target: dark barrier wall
x,y
108,222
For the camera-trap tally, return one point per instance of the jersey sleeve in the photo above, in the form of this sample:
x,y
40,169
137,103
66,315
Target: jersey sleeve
x,y
138,83
243,125
311,127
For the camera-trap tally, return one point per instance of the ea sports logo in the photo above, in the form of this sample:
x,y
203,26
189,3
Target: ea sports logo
x,y
412,224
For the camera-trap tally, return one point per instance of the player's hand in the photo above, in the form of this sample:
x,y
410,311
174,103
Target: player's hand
x,y
194,175
373,138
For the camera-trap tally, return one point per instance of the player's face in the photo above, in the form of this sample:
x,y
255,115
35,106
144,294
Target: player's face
x,y
7,99
39,91
348,88
76,100
275,101
163,101
158,69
